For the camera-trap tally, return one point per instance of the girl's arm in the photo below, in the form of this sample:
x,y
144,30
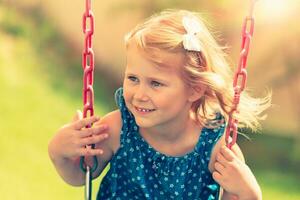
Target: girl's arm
x,y
234,176
68,145
114,122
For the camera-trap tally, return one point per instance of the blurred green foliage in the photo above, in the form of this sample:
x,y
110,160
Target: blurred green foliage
x,y
41,90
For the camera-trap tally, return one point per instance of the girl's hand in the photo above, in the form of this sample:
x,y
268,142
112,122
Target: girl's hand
x,y
234,176
70,140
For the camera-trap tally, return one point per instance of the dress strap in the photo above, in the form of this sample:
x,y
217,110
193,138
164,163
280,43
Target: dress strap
x,y
118,94
126,115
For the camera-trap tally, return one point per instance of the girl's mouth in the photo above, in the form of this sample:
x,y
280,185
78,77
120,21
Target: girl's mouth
x,y
143,110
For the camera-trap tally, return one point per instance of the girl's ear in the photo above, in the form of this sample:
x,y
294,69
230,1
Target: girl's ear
x,y
196,93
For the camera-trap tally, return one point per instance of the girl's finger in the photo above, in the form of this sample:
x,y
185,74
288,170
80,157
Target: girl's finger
x,y
92,131
217,177
90,152
227,153
219,167
93,139
237,152
220,158
77,116
78,125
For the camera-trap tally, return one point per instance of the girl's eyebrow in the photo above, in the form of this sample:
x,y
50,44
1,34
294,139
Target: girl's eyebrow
x,y
150,78
157,79
130,74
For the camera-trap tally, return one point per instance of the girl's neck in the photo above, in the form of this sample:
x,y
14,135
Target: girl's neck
x,y
174,140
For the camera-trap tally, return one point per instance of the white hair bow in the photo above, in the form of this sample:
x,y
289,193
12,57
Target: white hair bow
x,y
192,27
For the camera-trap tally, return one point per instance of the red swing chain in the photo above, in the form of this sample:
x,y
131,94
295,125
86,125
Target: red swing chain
x,y
240,77
88,92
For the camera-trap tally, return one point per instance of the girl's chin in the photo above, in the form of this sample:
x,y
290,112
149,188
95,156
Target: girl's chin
x,y
143,123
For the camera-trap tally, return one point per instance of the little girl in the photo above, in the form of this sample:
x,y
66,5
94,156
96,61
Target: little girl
x,y
166,140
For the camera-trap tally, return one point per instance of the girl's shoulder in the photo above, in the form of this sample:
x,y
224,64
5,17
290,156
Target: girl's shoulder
x,y
114,122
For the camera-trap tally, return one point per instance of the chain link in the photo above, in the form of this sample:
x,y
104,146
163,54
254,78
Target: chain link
x,y
88,92
240,77
88,62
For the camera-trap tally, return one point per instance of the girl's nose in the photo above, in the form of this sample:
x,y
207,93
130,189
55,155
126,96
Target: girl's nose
x,y
141,94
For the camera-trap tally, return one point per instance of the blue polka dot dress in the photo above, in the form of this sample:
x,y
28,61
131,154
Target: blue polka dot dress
x,y
137,171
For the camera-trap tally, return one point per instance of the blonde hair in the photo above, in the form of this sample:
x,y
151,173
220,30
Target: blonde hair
x,y
164,32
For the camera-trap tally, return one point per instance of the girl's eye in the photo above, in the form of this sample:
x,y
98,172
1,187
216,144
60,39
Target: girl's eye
x,y
132,78
156,84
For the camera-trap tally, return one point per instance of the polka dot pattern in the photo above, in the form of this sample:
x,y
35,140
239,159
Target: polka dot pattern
x,y
137,171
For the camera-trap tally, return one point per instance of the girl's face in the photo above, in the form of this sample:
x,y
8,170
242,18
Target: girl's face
x,y
156,96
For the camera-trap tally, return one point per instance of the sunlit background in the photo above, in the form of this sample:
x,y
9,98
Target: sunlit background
x,y
40,78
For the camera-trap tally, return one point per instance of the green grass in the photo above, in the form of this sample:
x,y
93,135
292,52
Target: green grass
x,y
279,185
38,95
40,82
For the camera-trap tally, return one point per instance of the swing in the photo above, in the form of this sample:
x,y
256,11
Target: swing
x,y
239,82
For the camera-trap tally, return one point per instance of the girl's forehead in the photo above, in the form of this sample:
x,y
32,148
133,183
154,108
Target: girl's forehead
x,y
162,60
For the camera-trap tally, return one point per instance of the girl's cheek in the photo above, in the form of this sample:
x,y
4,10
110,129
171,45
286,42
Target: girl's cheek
x,y
127,93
